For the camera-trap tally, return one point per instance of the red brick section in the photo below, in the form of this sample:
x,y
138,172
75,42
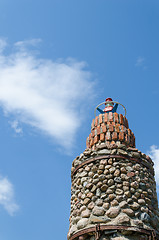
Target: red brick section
x,y
96,121
104,128
114,136
110,128
106,117
98,129
96,139
93,124
102,137
116,120
100,118
111,117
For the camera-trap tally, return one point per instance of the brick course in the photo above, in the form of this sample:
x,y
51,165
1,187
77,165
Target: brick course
x,y
115,128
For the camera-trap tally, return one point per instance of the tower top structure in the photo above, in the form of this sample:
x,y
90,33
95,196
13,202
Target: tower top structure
x,y
113,192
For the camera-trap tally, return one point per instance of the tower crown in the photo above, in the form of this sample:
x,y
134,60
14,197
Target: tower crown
x,y
110,128
113,192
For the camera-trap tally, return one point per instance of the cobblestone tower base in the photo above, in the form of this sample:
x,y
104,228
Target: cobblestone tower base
x,y
113,193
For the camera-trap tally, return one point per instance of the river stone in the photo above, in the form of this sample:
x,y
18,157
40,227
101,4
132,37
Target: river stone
x,y
89,195
145,217
130,201
102,219
82,208
94,198
95,181
104,187
75,219
110,182
99,184
123,204
125,183
123,170
143,186
83,179
103,196
117,173
87,168
94,169
103,162
119,191
86,201
110,161
123,219
135,154
111,196
98,192
120,151
91,205
141,201
85,214
108,166
119,198
90,174
89,185
82,223
93,189
123,176
113,151
102,177
119,185
103,151
144,209
83,174
134,206
128,211
132,190
101,167
84,184
112,169
129,169
128,194
135,184
125,188
99,202
98,211
117,180
72,229
106,205
99,171
113,212
114,203
95,176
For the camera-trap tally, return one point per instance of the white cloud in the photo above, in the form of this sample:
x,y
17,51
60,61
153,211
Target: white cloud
x,y
48,95
7,196
15,126
140,61
154,154
3,44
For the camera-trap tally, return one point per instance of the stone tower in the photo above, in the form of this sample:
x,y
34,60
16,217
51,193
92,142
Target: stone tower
x,y
113,193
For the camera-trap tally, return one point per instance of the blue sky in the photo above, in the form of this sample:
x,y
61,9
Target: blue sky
x,y
58,61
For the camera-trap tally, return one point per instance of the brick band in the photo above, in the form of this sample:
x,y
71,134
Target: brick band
x,y
110,128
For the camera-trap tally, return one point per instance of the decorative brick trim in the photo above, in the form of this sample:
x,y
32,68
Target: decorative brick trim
x,y
110,127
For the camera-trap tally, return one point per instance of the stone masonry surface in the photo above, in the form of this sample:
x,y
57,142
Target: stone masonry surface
x,y
113,185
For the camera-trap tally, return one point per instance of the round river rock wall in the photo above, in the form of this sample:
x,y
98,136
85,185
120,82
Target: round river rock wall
x,y
113,185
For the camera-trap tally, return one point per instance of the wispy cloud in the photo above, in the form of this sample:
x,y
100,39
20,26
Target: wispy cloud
x,y
140,62
7,196
48,95
16,127
154,154
3,44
